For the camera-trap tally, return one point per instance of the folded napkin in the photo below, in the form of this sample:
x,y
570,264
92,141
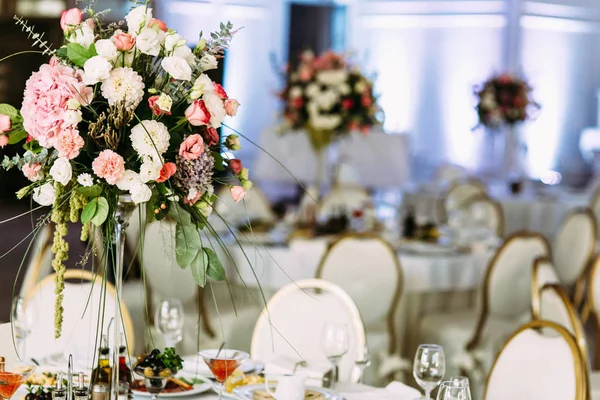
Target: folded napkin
x,y
315,371
393,391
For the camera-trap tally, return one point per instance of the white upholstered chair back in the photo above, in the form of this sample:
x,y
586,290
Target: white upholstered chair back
x,y
461,191
84,293
447,173
292,322
254,206
360,263
595,200
574,245
593,291
40,257
488,210
538,365
542,273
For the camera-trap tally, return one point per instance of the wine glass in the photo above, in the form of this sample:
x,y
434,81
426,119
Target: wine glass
x,y
362,363
335,341
462,380
23,320
169,321
429,367
453,390
222,363
12,381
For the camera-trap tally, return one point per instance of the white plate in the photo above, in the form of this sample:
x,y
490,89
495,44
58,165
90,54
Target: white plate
x,y
197,389
247,392
194,364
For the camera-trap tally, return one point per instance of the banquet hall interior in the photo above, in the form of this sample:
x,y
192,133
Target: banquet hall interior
x,y
403,199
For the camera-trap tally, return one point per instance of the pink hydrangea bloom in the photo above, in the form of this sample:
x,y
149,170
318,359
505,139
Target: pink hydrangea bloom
x,y
110,166
45,101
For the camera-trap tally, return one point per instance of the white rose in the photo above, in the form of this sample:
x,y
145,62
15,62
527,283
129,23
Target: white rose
x,y
332,77
208,62
215,107
177,67
44,195
312,108
174,41
343,89
107,49
164,102
327,99
149,171
95,70
295,92
71,118
360,86
312,90
61,171
201,84
149,41
83,34
138,18
488,101
130,178
140,193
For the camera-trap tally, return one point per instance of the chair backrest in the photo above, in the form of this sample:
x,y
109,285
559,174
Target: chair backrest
x,y
594,203
538,365
481,207
593,291
507,282
359,263
574,245
254,206
83,320
542,272
345,198
447,173
458,195
40,259
291,324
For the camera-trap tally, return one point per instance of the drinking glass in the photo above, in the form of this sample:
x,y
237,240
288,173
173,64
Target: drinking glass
x,y
462,380
451,390
335,341
12,381
23,320
222,363
429,367
169,321
362,363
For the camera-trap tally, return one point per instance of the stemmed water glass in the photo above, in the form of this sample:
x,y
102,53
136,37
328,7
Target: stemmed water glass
x,y
429,367
462,380
335,342
453,390
169,321
23,319
362,363
222,363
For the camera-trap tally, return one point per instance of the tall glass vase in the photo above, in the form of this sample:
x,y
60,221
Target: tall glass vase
x,y
125,207
514,158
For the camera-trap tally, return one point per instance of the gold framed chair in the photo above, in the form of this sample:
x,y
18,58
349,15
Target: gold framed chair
x,y
457,196
542,273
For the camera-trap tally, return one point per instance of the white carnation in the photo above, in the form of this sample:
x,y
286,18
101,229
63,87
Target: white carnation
x,y
327,99
177,67
150,137
129,179
138,18
107,49
325,122
208,62
201,84
312,90
83,34
312,108
295,92
344,89
140,193
95,70
149,171
334,77
61,171
215,107
44,195
149,41
85,180
123,84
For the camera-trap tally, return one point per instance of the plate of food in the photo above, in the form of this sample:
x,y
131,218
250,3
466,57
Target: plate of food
x,y
258,392
236,380
177,386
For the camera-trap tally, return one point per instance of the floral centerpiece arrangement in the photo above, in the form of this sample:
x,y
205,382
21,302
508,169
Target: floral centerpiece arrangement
x,y
328,98
504,100
126,111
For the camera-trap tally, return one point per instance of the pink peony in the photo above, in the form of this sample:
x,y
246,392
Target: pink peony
x,y
124,41
231,107
192,147
197,113
167,171
5,123
219,91
211,136
109,165
32,172
47,93
157,23
70,18
235,166
68,143
3,140
237,193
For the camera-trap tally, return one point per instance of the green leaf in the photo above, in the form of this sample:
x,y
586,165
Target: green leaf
x,y
92,50
9,110
101,212
91,191
16,136
187,244
62,53
78,54
215,268
89,211
199,266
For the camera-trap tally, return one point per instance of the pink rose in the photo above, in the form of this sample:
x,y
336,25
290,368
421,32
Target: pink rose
x,y
197,113
110,166
219,91
70,18
167,171
231,107
5,123
3,140
124,41
305,74
192,147
68,143
237,193
32,172
211,136
235,166
157,23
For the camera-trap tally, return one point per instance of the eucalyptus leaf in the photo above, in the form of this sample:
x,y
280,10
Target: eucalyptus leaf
x,y
7,109
187,244
78,54
101,212
215,268
199,266
89,211
91,191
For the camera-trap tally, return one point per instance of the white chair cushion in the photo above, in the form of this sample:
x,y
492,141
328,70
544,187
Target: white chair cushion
x,y
595,385
573,245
